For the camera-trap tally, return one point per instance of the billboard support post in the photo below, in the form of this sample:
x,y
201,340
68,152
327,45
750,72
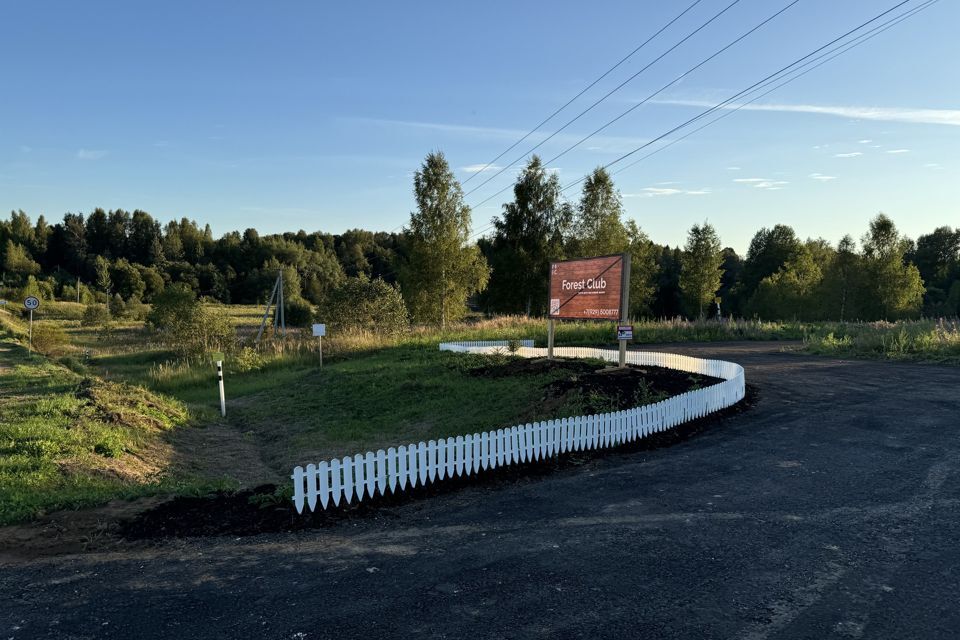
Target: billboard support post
x,y
625,306
551,326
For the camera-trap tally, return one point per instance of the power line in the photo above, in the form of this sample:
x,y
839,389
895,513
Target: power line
x,y
657,92
584,90
830,55
765,81
608,94
737,95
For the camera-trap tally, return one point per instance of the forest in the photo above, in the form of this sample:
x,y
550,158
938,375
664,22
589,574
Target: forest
x,y
442,269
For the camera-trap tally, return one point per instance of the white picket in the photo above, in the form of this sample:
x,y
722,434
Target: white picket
x,y
402,467
336,484
468,454
412,464
360,477
423,463
381,472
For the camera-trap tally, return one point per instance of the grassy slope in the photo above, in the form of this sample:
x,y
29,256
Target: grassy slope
x,y
68,440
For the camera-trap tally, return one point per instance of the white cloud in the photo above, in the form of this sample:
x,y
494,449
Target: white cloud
x,y
90,154
949,117
654,192
762,183
853,154
733,168
864,141
480,168
932,165
898,150
821,177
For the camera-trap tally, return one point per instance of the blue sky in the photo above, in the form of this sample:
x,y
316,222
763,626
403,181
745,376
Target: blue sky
x,y
305,115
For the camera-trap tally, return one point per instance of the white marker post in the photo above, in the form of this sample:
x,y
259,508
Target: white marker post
x,y
30,303
223,398
320,330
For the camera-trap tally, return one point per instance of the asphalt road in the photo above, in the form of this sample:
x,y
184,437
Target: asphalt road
x,y
830,510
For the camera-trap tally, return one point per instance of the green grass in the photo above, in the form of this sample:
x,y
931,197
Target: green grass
x,y
388,397
68,441
935,341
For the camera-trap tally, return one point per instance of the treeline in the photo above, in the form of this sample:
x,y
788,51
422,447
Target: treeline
x,y
440,270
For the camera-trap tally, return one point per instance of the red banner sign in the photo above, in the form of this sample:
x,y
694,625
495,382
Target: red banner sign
x,y
587,289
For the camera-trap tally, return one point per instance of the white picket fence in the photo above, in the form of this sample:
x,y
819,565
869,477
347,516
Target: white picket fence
x,y
363,476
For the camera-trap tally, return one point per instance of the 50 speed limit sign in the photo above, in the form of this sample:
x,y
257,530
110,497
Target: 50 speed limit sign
x,y
31,302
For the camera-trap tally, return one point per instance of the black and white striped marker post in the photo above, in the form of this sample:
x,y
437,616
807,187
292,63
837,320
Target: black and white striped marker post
x,y
223,400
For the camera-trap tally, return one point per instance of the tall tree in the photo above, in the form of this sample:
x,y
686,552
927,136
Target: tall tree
x,y
598,226
895,288
769,250
599,229
528,235
701,270
841,283
443,270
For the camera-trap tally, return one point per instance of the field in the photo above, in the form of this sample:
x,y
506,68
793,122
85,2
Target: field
x,y
112,413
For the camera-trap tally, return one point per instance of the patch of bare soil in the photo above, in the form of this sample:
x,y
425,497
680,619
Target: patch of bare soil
x,y
593,388
219,450
68,532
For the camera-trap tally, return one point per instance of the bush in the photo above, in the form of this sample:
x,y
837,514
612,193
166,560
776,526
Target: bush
x,y
371,305
297,312
187,327
118,308
95,315
136,310
172,306
247,359
49,339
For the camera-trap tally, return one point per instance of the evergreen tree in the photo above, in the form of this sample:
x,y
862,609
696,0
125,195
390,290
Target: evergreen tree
x,y
442,270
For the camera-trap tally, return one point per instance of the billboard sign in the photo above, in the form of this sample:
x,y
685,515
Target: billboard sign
x,y
587,289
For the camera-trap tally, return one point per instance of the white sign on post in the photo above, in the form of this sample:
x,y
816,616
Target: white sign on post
x,y
320,330
624,332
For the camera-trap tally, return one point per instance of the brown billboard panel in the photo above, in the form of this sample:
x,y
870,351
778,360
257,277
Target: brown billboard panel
x,y
587,289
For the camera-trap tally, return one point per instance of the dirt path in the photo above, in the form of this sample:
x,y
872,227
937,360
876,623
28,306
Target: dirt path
x,y
830,510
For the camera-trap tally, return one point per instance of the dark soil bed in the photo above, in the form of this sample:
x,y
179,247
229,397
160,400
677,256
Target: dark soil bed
x,y
266,509
586,387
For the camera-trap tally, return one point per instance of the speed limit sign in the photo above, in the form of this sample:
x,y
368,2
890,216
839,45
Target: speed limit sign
x,y
31,303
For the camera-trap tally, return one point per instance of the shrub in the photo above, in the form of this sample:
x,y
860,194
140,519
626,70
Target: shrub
x,y
247,359
371,305
136,310
95,315
297,312
171,306
118,308
49,339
